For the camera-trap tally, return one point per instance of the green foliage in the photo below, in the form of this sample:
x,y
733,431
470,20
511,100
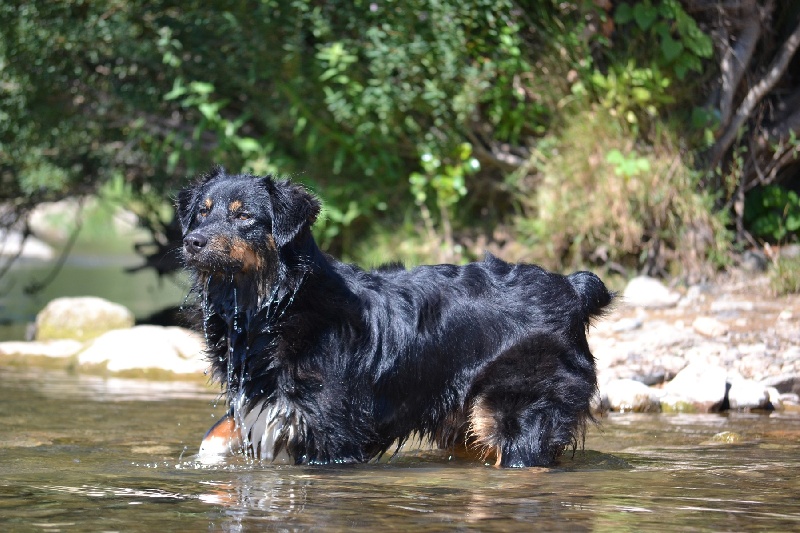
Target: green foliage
x,y
773,213
628,91
336,95
382,108
638,84
627,166
682,45
447,181
629,208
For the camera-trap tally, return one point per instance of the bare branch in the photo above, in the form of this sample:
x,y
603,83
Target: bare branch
x,y
736,59
491,153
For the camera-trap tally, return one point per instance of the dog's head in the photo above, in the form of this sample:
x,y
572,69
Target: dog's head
x,y
241,223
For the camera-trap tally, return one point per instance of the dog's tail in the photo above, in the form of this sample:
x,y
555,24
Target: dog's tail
x,y
595,297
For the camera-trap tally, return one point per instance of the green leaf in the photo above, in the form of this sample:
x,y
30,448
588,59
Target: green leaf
x,y
641,95
670,47
623,14
644,14
247,145
209,110
178,90
201,87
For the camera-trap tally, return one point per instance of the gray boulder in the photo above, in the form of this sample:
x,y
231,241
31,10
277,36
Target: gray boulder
x,y
700,387
745,394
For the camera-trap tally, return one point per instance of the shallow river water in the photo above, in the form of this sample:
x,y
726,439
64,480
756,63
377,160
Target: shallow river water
x,y
82,453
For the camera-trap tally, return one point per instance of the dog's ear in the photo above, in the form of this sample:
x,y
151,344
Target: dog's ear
x,y
293,209
215,172
186,207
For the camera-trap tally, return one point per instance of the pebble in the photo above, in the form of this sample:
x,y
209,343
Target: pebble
x,y
709,326
627,324
726,306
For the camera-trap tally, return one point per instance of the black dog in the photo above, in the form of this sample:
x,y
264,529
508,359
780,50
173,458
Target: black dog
x,y
326,363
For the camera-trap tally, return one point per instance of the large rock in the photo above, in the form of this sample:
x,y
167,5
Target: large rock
x,y
644,291
745,394
171,349
629,395
700,387
13,244
81,318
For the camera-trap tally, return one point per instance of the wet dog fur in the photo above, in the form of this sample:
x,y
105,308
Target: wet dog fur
x,y
323,362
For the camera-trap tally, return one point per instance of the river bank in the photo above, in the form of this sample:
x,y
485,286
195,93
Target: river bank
x,y
727,344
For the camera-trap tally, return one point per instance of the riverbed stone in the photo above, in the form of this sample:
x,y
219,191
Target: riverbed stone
x,y
700,385
725,306
172,349
626,324
647,292
81,318
785,383
709,326
626,395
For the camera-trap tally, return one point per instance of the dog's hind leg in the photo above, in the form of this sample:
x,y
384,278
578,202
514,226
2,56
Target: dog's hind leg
x,y
532,402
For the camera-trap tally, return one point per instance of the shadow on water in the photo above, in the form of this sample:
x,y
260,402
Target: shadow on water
x,y
82,453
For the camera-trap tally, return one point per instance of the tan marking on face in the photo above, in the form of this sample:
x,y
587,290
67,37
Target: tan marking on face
x,y
234,206
271,243
208,203
483,430
242,252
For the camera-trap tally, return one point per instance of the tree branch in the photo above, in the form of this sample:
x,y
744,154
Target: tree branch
x,y
754,96
736,59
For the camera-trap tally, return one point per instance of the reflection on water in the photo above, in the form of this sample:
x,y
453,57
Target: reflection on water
x,y
87,454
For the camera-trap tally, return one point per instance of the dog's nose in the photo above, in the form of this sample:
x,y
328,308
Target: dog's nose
x,y
194,242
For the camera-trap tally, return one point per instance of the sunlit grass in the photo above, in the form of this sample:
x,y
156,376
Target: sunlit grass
x,y
784,277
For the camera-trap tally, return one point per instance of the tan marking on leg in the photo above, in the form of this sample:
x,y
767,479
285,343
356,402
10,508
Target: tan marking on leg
x,y
483,430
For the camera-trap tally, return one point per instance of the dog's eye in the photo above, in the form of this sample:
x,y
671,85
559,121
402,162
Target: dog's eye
x,y
202,212
244,216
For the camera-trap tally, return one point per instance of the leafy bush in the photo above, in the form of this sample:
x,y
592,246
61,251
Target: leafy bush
x,y
773,213
603,200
